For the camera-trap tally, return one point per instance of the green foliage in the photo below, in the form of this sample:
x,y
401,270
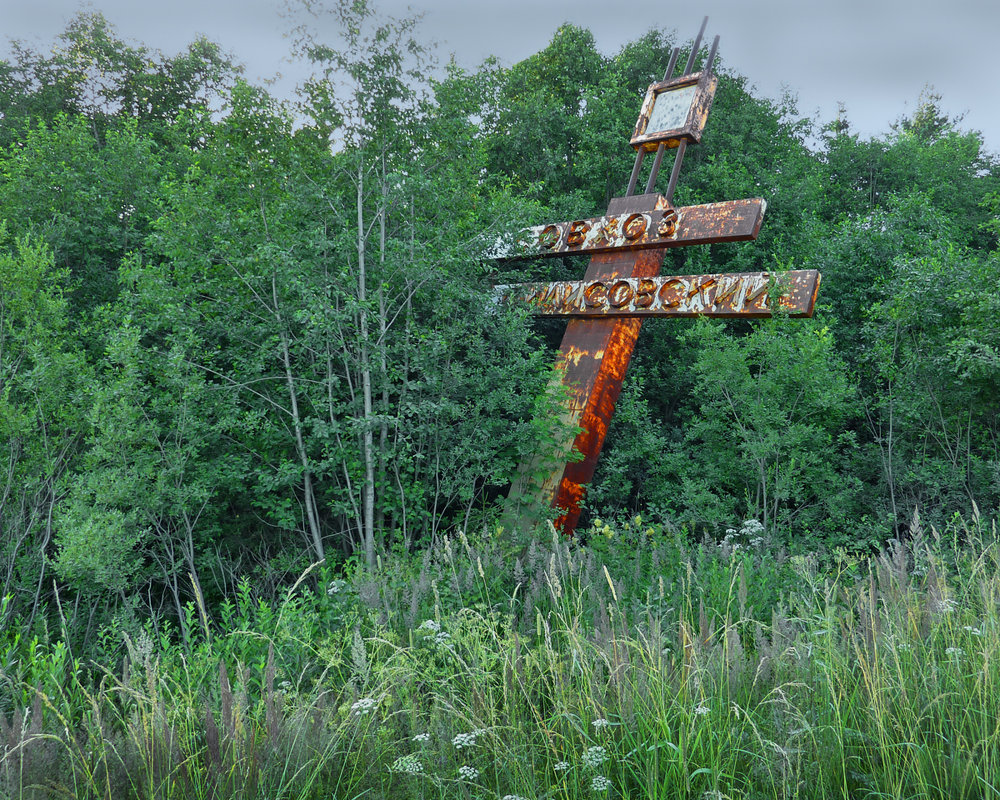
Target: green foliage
x,y
934,358
237,339
772,435
93,74
777,409
91,201
42,372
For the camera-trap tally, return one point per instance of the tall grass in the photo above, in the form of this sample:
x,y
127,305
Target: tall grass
x,y
639,665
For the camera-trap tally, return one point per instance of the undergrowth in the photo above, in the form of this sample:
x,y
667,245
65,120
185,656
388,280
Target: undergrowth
x,y
631,663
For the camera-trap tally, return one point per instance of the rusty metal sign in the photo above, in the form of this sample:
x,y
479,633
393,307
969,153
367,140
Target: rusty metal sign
x,y
658,226
622,286
746,294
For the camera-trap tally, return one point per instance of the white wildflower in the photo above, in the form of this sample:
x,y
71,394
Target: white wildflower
x,y
600,784
464,740
954,652
595,756
600,723
561,766
364,706
422,737
408,764
513,797
336,586
468,773
701,710
430,625
973,631
441,638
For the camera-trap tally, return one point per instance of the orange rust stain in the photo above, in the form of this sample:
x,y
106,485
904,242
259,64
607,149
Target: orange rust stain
x,y
573,354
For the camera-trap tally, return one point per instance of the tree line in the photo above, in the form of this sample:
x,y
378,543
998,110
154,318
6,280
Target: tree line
x,y
239,335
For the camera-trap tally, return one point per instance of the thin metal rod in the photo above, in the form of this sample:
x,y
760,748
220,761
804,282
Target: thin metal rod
x,y
669,71
711,56
675,172
695,46
656,167
635,172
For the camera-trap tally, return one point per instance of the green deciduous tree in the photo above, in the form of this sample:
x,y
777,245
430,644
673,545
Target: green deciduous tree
x,y
90,201
93,74
768,434
336,297
42,372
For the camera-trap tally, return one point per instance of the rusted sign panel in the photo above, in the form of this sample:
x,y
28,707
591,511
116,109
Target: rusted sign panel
x,y
744,294
673,110
640,229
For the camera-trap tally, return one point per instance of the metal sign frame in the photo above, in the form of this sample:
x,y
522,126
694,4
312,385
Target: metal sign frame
x,y
698,105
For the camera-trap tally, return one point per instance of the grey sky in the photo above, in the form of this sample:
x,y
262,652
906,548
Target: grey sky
x,y
875,56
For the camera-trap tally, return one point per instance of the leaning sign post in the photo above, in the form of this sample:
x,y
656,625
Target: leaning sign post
x,y
622,286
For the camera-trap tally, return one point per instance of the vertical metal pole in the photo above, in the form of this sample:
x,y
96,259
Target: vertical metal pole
x,y
635,172
711,56
682,146
595,353
655,171
697,44
676,171
669,71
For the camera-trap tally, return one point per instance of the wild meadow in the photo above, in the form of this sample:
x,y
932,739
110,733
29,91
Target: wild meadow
x,y
260,409
643,663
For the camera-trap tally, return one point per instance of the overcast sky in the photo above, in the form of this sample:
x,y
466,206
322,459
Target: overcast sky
x,y
875,56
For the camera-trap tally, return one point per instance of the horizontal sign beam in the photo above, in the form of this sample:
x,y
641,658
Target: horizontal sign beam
x,y
746,294
732,221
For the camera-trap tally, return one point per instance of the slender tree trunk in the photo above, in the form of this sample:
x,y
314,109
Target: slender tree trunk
x,y
368,445
309,497
383,323
332,416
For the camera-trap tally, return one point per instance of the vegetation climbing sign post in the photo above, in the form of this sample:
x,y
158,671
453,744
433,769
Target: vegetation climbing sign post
x,y
622,285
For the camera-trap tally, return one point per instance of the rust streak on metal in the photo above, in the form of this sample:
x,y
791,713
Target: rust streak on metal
x,y
621,279
593,359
